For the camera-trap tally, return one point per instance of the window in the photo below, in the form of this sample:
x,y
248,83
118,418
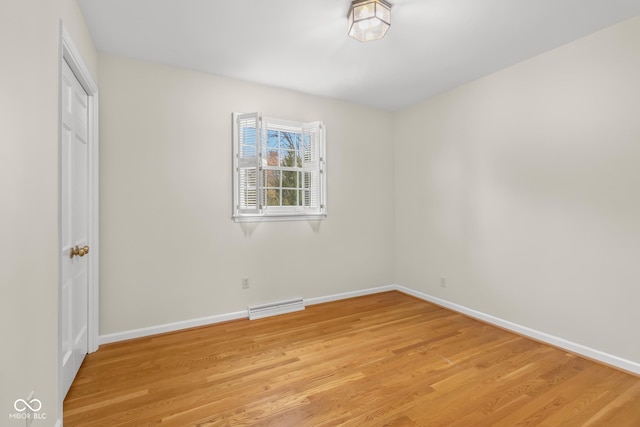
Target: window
x,y
279,169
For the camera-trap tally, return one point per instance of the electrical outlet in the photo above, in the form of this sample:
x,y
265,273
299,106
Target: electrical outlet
x,y
245,283
443,282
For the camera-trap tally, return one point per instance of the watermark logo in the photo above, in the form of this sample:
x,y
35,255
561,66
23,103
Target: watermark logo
x,y
21,405
27,410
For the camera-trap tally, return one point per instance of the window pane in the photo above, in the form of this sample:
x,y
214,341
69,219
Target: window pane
x,y
272,139
272,157
290,140
273,197
273,178
287,158
290,179
289,198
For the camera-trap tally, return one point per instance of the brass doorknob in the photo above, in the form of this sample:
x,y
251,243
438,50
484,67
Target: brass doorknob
x,y
79,251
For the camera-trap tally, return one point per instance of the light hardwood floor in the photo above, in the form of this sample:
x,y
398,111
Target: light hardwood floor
x,y
385,359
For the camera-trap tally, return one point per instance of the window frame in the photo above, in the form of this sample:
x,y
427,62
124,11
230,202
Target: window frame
x,y
250,168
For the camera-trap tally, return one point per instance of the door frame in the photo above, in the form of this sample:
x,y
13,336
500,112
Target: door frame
x,y
69,53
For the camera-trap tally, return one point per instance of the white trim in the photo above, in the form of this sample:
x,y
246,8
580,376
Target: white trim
x,y
225,317
72,55
69,53
279,217
597,355
171,327
351,294
591,353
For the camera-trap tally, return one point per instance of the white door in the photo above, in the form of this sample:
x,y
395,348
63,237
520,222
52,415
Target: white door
x,y
75,225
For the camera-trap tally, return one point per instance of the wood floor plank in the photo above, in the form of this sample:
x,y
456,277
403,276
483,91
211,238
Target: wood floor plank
x,y
379,360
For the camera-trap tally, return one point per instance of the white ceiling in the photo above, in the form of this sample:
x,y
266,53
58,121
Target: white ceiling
x,y
432,46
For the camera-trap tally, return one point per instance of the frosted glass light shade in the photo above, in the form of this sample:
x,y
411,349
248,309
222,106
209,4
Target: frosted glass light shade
x,y
369,19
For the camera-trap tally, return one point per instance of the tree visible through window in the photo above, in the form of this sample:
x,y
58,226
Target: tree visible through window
x,y
279,168
284,169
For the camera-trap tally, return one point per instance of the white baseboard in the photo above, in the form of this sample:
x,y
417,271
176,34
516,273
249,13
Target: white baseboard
x,y
185,324
171,327
352,294
588,352
606,358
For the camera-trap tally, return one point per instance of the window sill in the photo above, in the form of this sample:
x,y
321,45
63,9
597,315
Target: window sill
x,y
276,218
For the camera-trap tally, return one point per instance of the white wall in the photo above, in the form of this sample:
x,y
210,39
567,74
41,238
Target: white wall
x,y
523,189
169,248
519,188
29,192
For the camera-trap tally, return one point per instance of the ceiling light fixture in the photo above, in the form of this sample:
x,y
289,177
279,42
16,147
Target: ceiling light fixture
x,y
369,19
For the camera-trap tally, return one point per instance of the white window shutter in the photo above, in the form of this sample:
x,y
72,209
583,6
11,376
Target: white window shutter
x,y
313,168
248,154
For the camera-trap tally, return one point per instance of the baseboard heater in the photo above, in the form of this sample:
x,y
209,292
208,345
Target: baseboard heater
x,y
275,308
